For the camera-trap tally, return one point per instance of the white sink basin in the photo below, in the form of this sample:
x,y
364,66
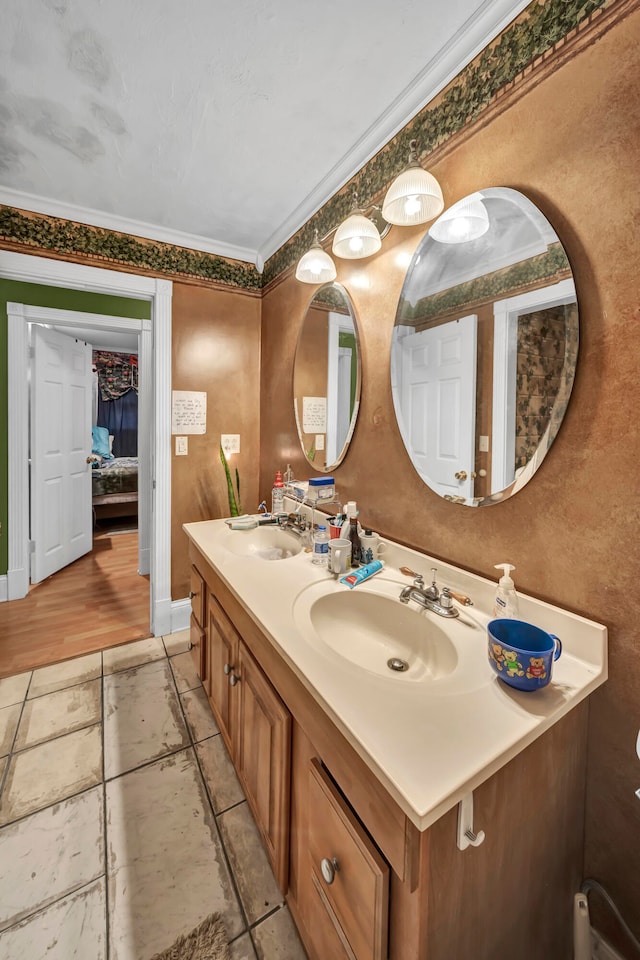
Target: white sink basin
x,y
263,543
376,632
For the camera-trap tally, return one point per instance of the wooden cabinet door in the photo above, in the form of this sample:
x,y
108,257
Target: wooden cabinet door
x,y
197,634
198,650
223,668
263,760
197,595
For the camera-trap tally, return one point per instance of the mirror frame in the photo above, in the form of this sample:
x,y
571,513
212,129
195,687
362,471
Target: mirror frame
x,y
507,289
337,289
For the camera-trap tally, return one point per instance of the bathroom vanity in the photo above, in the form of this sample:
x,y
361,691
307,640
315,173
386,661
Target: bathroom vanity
x,y
355,773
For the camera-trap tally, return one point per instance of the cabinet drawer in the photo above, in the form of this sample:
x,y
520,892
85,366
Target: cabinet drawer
x,y
197,595
353,887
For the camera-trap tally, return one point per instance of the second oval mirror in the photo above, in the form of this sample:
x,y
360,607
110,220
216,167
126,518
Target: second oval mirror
x,y
484,347
326,377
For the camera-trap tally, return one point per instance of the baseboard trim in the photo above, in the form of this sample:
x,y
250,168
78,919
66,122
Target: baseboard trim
x,y
180,614
4,589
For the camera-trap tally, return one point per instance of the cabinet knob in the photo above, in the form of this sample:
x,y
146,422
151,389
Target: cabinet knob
x,y
192,594
227,669
233,679
190,645
329,869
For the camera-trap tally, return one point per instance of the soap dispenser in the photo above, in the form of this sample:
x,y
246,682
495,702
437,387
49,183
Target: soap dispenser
x,y
506,600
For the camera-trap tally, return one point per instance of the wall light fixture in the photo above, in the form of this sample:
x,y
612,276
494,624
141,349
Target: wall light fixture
x,y
316,266
414,196
357,237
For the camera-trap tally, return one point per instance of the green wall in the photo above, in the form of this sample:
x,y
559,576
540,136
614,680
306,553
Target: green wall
x,y
39,295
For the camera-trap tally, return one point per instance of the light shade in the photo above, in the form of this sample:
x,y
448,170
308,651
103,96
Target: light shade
x,y
466,220
357,237
316,266
414,196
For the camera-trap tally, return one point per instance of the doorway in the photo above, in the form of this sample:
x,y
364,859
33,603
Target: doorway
x,y
155,367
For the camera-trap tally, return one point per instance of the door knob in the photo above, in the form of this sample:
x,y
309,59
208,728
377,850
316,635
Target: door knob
x,y
460,474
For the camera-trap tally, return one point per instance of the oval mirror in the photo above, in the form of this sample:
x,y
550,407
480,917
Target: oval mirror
x,y
326,377
484,347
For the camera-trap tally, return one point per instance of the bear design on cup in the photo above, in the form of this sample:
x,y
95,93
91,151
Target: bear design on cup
x,y
513,666
536,670
497,655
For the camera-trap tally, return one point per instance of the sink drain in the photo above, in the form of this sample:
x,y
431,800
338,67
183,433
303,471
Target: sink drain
x,y
395,663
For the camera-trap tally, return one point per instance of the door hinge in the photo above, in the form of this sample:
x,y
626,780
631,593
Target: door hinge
x,y
32,546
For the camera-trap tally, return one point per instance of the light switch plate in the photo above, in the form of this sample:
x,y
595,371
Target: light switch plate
x,y
319,441
230,443
483,444
182,446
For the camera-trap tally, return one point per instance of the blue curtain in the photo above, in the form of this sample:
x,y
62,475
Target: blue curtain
x,y
120,417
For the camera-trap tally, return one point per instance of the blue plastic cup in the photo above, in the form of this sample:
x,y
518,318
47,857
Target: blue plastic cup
x,y
522,654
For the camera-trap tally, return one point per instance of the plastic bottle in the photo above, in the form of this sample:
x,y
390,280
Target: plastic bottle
x,y
277,494
506,600
353,534
320,546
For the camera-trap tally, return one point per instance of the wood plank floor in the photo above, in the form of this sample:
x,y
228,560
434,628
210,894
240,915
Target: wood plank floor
x,y
96,602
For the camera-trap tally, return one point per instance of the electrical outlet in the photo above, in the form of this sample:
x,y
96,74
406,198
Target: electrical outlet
x,y
230,443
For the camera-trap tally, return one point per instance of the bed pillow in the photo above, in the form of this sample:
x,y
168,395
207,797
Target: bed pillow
x,y
100,442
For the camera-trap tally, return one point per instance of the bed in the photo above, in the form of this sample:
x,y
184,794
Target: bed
x,y
115,488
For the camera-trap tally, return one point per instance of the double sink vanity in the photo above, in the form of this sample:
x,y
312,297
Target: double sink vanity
x,y
372,787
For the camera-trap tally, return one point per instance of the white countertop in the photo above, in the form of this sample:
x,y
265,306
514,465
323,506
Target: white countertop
x,y
431,742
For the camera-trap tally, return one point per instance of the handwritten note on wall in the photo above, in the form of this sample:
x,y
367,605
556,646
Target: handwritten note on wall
x,y
314,414
188,411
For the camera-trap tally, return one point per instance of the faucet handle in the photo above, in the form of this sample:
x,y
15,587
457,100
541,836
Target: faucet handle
x,y
418,579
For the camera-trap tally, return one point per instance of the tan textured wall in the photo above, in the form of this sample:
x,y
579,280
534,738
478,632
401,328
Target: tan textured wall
x,y
215,349
570,143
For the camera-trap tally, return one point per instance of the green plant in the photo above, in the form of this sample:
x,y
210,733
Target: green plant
x,y
235,507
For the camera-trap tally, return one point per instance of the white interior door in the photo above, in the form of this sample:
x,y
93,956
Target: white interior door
x,y
438,401
60,486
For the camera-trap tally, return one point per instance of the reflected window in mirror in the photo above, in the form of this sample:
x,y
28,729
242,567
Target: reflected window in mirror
x,y
326,377
484,347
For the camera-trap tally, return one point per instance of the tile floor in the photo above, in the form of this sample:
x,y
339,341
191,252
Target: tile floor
x,y
122,823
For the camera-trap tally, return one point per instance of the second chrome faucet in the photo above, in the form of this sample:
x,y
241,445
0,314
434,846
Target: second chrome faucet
x,y
438,601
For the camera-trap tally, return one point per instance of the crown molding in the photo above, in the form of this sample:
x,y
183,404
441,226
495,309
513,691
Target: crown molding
x,y
475,34
111,221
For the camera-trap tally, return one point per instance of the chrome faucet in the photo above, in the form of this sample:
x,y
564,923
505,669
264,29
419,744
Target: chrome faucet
x,y
429,597
296,522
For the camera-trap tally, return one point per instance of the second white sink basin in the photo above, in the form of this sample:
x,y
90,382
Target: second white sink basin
x,y
263,543
376,632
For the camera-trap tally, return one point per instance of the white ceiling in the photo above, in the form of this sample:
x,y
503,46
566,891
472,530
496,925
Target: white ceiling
x,y
215,124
